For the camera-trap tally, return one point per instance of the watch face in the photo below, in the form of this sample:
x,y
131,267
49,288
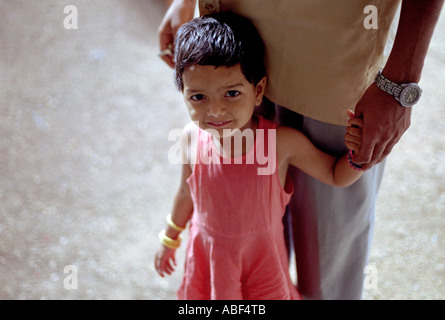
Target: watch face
x,y
410,95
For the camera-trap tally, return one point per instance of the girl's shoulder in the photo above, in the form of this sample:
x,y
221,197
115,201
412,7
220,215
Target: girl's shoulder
x,y
291,142
287,135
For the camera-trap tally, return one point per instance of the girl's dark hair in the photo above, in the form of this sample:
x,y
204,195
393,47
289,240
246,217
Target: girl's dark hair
x,y
222,39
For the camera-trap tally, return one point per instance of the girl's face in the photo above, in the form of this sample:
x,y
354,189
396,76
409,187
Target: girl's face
x,y
221,98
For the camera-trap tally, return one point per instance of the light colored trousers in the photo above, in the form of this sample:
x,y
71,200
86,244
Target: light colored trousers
x,y
331,227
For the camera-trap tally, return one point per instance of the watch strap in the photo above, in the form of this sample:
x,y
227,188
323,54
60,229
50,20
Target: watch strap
x,y
407,94
388,86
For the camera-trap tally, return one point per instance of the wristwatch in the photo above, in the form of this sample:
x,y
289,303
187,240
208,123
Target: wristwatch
x,y
407,94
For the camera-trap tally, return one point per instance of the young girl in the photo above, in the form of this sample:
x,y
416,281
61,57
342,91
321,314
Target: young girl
x,y
236,247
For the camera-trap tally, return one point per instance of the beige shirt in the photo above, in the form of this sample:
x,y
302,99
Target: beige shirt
x,y
320,58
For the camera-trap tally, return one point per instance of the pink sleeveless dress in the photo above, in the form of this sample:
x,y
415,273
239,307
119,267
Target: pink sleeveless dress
x,y
236,248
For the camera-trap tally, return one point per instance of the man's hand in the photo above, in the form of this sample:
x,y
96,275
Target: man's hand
x,y
384,119
384,122
179,12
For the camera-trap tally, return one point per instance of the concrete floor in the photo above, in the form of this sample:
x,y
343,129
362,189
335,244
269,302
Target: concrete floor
x,y
85,179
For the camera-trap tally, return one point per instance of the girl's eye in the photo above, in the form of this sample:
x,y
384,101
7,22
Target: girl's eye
x,y
197,97
232,93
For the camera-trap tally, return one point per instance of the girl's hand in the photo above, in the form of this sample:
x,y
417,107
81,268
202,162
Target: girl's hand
x,y
165,261
353,136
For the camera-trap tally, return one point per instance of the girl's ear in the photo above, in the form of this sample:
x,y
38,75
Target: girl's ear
x,y
259,90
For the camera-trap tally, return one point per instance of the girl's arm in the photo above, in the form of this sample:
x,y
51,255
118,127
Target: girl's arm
x,y
182,210
182,204
301,153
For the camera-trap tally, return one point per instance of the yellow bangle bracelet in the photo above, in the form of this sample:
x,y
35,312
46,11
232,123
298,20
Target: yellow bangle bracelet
x,y
174,225
169,242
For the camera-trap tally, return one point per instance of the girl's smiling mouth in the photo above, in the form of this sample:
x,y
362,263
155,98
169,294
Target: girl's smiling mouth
x,y
219,124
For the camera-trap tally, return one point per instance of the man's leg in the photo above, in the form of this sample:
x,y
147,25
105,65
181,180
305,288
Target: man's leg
x,y
332,227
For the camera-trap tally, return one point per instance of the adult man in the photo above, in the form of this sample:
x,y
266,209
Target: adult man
x,y
322,60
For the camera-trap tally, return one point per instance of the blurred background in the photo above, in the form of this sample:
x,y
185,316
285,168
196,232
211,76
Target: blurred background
x,y
85,179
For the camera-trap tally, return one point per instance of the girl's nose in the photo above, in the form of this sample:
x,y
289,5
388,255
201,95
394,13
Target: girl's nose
x,y
216,109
